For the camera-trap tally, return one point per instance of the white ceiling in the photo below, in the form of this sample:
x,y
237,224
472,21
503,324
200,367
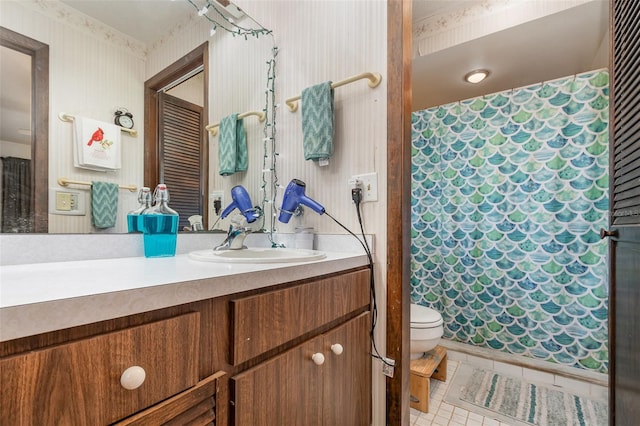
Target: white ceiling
x,y
555,46
144,20
544,49
425,8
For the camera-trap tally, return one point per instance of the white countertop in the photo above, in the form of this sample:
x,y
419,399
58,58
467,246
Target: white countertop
x,y
41,297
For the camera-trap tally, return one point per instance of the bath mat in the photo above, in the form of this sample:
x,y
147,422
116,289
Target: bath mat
x,y
520,402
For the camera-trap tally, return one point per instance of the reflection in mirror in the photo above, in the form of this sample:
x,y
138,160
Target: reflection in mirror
x,y
188,94
100,59
240,63
247,48
175,138
24,103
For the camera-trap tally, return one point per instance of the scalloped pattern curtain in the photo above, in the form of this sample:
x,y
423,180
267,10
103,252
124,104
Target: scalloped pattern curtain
x,y
509,192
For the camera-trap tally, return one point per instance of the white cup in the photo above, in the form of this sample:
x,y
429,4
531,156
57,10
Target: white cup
x,y
304,240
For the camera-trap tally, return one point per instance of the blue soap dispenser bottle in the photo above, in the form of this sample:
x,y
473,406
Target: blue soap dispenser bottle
x,y
134,217
160,225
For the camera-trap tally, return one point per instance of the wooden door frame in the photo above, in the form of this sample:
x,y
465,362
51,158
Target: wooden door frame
x,y
192,60
39,53
399,57
611,251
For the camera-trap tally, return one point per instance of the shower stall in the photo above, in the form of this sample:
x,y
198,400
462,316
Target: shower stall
x,y
509,192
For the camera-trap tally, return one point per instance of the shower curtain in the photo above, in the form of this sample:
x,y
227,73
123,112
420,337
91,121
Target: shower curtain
x,y
509,192
16,195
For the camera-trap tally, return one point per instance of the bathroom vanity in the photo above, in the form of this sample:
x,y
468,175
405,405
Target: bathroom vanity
x,y
229,344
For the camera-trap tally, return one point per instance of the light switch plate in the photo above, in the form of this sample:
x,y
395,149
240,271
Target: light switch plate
x,y
63,201
66,202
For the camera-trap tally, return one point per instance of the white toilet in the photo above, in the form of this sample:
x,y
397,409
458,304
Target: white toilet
x,y
426,330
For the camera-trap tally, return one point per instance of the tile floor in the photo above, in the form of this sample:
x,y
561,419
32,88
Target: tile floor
x,y
444,414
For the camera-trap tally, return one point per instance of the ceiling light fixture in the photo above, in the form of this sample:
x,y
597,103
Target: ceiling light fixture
x,y
476,76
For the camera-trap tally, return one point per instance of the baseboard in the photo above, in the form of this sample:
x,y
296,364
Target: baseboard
x,y
599,379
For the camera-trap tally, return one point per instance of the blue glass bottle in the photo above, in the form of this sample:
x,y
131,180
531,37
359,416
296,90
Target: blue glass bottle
x,y
160,226
134,218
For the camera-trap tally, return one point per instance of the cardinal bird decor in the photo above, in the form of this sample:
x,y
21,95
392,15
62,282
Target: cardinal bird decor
x,y
97,145
98,136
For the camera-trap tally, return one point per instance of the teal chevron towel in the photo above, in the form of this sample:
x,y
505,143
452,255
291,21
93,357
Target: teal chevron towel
x,y
317,121
232,146
104,204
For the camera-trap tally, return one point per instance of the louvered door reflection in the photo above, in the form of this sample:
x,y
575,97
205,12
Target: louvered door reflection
x,y
181,150
624,337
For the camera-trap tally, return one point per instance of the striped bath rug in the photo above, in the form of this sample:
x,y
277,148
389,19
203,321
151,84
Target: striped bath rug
x,y
528,403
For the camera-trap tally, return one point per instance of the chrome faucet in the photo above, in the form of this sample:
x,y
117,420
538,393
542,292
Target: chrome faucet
x,y
238,231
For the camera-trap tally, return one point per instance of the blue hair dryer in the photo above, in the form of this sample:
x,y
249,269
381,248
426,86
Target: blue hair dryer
x,y
294,196
242,202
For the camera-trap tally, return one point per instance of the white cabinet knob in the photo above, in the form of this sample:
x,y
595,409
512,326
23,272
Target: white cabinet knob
x,y
318,358
133,377
337,348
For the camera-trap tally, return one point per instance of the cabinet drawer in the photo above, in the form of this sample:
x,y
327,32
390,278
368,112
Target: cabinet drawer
x,y
266,321
80,382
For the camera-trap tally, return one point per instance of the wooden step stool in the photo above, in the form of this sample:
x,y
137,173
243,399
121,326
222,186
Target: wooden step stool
x,y
433,364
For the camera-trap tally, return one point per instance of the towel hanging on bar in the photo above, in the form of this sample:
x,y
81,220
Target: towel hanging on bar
x,y
232,146
213,128
318,123
373,77
63,181
104,204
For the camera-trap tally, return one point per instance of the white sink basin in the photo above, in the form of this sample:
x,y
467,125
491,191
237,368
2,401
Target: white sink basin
x,y
257,255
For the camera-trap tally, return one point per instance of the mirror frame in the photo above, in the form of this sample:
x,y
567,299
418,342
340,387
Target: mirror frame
x,y
39,53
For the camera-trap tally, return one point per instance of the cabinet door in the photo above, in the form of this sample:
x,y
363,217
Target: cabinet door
x,y
347,374
291,389
286,390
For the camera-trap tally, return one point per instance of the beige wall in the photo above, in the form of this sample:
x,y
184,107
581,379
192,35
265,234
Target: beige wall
x,y
333,40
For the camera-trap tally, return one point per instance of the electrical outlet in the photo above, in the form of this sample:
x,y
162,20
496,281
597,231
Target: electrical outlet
x,y
388,367
217,202
216,205
369,184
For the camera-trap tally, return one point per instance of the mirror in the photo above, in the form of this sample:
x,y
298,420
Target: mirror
x,y
98,67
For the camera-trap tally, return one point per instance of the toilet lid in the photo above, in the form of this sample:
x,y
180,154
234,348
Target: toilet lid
x,y
423,317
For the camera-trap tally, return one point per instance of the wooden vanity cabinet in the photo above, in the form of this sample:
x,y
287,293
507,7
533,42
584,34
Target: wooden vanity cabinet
x,y
204,362
325,379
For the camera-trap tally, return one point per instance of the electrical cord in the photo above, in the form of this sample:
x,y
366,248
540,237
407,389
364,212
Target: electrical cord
x,y
356,196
